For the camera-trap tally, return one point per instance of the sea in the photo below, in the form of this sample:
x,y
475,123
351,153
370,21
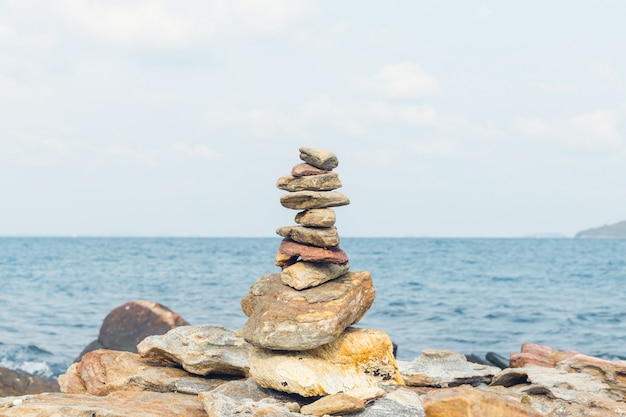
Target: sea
x,y
467,295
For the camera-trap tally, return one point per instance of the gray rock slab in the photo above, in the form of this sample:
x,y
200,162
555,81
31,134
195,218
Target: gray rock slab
x,y
316,217
323,237
319,158
322,182
304,200
302,275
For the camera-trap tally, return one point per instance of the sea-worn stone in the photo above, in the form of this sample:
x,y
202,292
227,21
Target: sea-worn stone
x,y
116,404
340,403
323,237
282,318
103,371
305,200
444,368
200,350
302,275
16,382
310,253
533,354
316,217
322,182
304,169
319,158
358,358
457,402
401,402
127,325
556,383
611,373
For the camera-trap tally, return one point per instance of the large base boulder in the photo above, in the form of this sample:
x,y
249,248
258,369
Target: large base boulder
x,y
359,358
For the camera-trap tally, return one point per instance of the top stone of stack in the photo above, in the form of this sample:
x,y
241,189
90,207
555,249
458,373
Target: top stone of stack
x,y
319,158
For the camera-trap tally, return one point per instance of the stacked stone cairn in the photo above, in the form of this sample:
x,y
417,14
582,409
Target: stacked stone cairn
x,y
299,321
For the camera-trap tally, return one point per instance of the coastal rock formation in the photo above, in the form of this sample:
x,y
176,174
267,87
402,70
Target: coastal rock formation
x,y
283,318
608,231
359,358
127,325
201,350
15,382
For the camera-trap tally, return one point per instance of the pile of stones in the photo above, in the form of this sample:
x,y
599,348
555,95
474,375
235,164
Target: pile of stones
x,y
306,311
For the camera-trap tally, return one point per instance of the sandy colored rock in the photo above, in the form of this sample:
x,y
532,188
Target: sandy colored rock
x,y
291,249
444,368
302,275
282,318
305,200
319,158
340,403
116,404
201,350
104,371
401,402
457,402
611,373
358,358
323,237
322,182
316,217
304,169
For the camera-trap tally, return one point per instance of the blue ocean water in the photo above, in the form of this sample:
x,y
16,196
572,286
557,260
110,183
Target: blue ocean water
x,y
467,295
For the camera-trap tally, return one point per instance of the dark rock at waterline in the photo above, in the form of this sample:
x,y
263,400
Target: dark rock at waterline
x,y
13,383
127,325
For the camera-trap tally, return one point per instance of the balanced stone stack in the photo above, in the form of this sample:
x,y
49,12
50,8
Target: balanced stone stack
x,y
301,318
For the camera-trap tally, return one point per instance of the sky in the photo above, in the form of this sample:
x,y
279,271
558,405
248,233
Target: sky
x,y
449,119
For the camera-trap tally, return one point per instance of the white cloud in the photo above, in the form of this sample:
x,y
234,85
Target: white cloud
x,y
483,13
436,147
591,131
406,79
200,151
174,23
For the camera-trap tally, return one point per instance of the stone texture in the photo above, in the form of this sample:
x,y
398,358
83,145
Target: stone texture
x,y
323,237
457,402
103,371
358,358
340,403
316,217
401,402
201,350
283,318
127,325
304,169
15,382
322,182
305,200
116,404
319,158
611,373
533,354
291,249
443,368
302,275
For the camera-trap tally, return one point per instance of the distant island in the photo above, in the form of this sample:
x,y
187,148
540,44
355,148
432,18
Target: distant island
x,y
617,230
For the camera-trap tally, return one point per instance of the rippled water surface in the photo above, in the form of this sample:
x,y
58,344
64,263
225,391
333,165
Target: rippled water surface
x,y
468,295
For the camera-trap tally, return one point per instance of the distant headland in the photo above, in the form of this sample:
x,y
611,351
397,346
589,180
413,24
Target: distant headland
x,y
617,230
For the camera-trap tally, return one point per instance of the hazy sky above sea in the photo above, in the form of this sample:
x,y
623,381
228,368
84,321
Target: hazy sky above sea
x,y
452,118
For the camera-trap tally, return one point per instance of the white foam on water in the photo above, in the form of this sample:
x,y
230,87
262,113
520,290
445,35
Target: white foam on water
x,y
35,368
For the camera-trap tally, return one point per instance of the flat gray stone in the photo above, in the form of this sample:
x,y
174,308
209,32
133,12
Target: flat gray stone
x,y
302,275
316,217
322,237
319,158
322,182
304,200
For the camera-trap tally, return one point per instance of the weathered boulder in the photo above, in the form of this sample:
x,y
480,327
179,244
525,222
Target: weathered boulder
x,y
282,318
289,249
103,371
611,373
319,158
15,382
116,404
401,402
322,237
340,403
458,402
322,182
304,169
533,354
359,358
302,275
201,350
127,325
443,368
324,217
305,200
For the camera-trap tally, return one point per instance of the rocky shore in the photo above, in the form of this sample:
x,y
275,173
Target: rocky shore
x,y
300,353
